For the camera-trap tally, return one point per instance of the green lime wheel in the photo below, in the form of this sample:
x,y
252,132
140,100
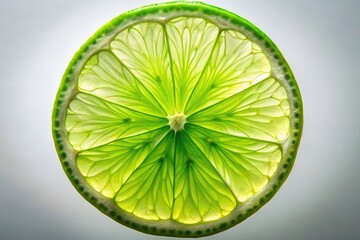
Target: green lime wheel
x,y
178,119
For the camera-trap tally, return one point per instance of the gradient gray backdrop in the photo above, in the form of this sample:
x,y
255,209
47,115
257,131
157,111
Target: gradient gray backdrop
x,y
319,39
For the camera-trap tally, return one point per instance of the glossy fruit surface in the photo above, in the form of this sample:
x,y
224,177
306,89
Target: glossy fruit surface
x,y
178,119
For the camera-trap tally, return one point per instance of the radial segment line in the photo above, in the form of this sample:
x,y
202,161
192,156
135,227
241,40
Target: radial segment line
x,y
229,97
205,67
122,138
109,102
244,158
174,172
216,170
146,89
240,137
171,61
154,148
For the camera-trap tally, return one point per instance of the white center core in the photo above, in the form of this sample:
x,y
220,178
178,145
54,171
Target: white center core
x,y
177,121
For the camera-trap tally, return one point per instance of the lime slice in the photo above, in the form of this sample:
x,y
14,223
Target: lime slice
x,y
178,119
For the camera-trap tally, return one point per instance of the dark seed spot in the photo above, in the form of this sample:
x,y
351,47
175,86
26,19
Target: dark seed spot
x,y
294,92
211,142
135,225
127,120
282,176
101,206
207,11
63,154
158,79
287,76
223,225
112,213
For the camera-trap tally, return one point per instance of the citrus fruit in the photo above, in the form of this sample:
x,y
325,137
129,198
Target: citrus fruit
x,y
178,119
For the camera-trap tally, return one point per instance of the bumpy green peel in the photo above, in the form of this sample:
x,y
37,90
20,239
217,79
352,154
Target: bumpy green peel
x,y
178,119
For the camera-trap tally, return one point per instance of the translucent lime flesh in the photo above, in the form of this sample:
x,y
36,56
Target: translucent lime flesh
x,y
180,119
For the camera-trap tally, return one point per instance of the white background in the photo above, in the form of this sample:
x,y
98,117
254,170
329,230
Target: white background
x,y
319,39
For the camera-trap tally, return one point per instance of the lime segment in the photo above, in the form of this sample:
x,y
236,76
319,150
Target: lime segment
x,y
106,168
260,112
235,64
143,48
91,122
244,164
148,193
105,77
191,41
200,193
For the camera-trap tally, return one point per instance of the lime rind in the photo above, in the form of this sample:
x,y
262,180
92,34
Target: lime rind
x,y
279,68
